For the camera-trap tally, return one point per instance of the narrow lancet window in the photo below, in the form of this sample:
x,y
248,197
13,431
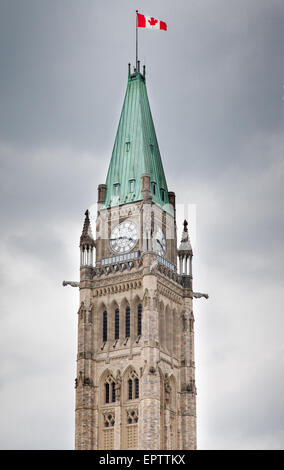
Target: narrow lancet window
x,y
127,322
107,393
136,388
139,320
133,386
105,326
130,383
110,392
116,326
113,392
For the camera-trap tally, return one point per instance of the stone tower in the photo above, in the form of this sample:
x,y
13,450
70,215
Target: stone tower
x,y
135,385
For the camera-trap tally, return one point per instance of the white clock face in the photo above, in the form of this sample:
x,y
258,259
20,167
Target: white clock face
x,y
160,241
124,237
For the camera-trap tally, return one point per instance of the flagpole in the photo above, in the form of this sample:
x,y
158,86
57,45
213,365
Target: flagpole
x,y
136,40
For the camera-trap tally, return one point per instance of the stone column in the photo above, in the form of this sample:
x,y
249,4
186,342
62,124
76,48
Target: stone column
x,y
85,427
187,379
150,394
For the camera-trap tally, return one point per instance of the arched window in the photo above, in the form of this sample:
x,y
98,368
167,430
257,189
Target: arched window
x,y
130,382
116,325
127,322
109,389
133,386
107,393
139,320
136,385
105,326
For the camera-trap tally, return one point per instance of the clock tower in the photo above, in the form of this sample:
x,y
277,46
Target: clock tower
x,y
135,384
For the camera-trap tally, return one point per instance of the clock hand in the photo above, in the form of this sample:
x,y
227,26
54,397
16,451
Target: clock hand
x,y
160,243
121,238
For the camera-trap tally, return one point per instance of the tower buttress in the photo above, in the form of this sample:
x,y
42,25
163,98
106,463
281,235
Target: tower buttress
x,y
85,435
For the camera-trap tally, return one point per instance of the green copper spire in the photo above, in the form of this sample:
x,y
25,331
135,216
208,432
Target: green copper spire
x,y
136,151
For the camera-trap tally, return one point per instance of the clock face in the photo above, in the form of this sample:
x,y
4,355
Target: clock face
x,y
124,237
160,241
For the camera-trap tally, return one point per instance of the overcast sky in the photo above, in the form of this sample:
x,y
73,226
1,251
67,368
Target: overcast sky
x,y
215,84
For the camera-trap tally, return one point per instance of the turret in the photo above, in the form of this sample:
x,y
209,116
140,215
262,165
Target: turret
x,y
87,243
185,253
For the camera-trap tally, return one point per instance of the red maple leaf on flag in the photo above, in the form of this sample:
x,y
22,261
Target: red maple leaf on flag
x,y
152,21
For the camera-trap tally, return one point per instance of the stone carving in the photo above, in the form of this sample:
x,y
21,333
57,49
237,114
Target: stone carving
x,y
90,311
155,299
186,318
168,389
118,386
142,369
198,295
132,416
82,379
82,311
153,265
109,418
191,388
71,283
146,299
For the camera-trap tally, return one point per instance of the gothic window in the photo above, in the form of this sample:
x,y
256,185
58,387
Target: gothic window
x,y
133,386
107,393
127,322
116,326
139,320
136,384
105,326
130,383
163,195
109,389
154,188
127,143
113,392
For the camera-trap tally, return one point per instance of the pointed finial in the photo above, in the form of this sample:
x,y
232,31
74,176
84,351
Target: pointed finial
x,y
87,236
129,69
185,246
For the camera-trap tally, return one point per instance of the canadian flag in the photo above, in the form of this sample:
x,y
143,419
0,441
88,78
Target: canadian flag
x,y
150,22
